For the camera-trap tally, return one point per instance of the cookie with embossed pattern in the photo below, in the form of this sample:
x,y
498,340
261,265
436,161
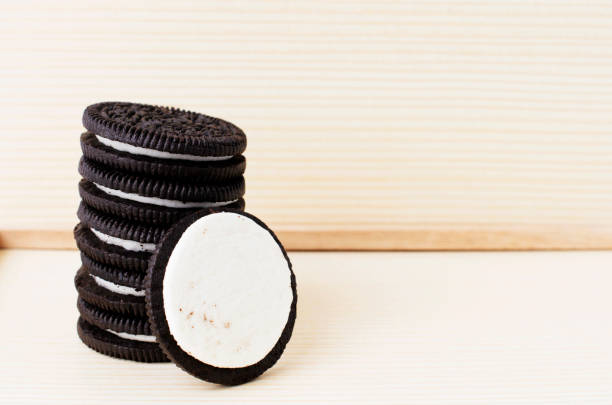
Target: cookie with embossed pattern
x,y
163,132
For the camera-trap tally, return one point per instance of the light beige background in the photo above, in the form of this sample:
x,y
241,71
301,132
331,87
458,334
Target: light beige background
x,y
425,124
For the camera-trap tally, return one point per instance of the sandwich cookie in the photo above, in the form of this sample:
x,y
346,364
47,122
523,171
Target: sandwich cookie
x,y
137,211
126,327
100,150
113,345
161,192
110,254
115,281
163,132
221,296
121,278
132,236
108,296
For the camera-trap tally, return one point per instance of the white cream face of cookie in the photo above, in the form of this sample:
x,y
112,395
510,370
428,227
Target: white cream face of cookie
x,y
137,150
227,291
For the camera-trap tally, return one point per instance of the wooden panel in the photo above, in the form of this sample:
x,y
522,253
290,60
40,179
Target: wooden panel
x,y
557,238
424,328
446,121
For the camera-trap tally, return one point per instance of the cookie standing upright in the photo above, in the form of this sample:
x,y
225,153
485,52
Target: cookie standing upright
x,y
144,168
221,296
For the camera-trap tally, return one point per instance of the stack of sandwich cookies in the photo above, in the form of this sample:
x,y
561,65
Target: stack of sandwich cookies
x,y
143,168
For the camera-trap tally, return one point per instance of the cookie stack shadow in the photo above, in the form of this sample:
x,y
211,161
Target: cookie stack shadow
x,y
143,168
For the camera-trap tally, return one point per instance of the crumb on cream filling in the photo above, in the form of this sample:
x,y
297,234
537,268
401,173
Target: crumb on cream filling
x,y
117,288
137,150
130,336
127,244
162,201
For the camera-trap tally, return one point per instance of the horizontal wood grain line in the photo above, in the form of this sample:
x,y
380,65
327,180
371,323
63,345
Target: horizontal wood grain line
x,y
482,238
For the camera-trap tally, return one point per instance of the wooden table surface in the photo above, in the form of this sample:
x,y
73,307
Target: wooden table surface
x,y
426,328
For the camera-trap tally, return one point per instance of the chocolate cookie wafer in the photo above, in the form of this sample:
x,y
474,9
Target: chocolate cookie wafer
x,y
164,131
109,254
120,277
214,171
125,326
138,211
115,346
109,297
127,234
162,192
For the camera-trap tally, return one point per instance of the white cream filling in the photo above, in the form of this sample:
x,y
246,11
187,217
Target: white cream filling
x,y
227,291
141,338
117,288
161,201
137,150
127,244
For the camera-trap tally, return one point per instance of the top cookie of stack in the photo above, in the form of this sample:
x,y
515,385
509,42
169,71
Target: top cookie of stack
x,y
155,164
